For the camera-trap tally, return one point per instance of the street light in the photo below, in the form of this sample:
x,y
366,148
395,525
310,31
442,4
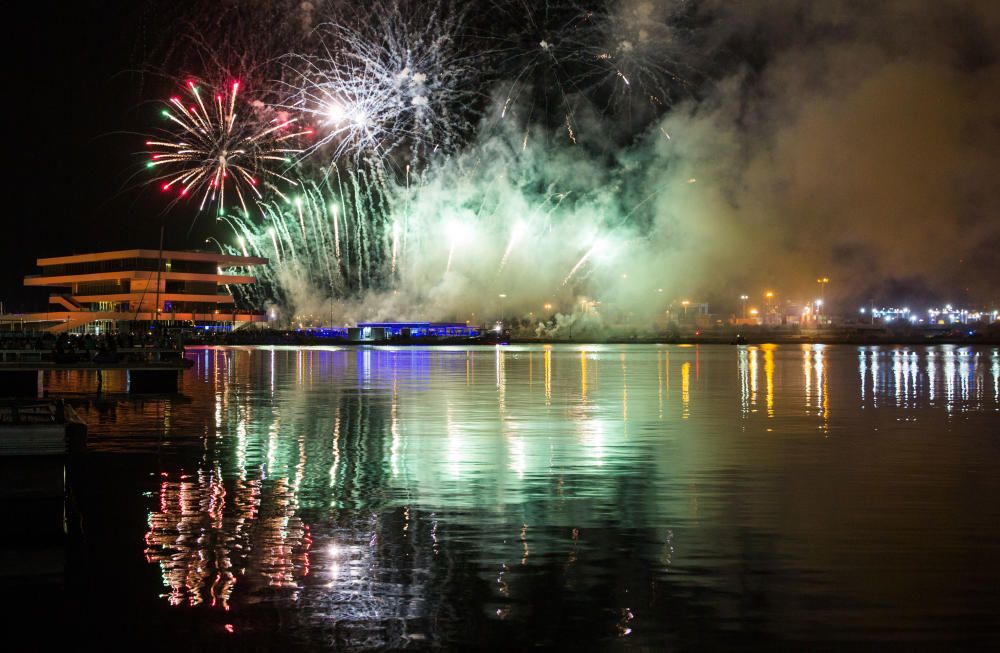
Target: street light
x,y
822,281
685,303
743,301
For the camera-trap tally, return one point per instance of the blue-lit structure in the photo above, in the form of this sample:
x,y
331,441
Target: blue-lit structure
x,y
422,329
327,332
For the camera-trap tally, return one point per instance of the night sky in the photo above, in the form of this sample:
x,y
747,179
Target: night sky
x,y
76,130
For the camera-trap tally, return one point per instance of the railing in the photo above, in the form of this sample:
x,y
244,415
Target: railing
x,y
41,412
119,356
22,355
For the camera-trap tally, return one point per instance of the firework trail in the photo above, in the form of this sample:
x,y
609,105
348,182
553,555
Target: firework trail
x,y
596,247
329,236
211,146
516,234
349,240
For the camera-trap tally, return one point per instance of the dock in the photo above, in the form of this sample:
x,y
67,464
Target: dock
x,y
150,369
38,439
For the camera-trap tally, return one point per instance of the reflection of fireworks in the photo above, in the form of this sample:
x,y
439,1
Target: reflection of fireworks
x,y
392,75
211,145
206,538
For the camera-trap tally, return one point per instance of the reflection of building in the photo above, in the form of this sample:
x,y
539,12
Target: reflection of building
x,y
103,291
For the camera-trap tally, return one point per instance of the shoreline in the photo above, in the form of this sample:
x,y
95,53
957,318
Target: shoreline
x,y
704,339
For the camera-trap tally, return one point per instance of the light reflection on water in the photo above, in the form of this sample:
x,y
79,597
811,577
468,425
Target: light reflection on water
x,y
555,494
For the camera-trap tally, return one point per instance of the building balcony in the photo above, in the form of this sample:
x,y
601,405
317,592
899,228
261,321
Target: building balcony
x,y
67,280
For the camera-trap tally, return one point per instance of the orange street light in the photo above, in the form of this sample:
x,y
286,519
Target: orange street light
x,y
822,281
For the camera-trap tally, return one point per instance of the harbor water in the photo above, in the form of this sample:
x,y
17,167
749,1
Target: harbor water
x,y
595,497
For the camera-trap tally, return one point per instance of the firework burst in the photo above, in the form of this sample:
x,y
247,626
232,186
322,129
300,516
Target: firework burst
x,y
212,146
557,60
639,49
392,80
536,52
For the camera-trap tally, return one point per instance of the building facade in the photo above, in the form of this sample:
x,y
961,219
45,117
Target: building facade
x,y
131,290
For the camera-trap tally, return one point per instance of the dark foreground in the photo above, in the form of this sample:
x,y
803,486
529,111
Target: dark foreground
x,y
590,497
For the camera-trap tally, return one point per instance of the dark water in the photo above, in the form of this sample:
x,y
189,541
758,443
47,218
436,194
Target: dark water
x,y
652,497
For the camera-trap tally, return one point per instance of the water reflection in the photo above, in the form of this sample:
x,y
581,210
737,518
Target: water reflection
x,y
769,377
925,375
205,538
685,389
995,367
397,497
816,383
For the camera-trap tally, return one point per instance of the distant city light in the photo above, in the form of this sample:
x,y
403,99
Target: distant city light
x,y
941,316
